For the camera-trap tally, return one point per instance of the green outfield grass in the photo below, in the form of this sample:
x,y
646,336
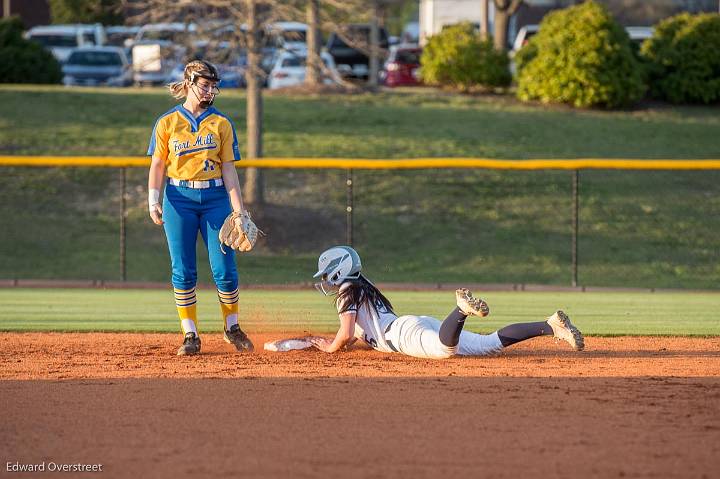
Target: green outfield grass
x,y
637,229
103,121
604,314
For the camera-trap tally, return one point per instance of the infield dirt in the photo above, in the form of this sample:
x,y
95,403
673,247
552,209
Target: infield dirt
x,y
625,407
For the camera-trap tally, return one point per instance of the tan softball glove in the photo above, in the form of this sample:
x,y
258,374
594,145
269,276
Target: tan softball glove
x,y
239,232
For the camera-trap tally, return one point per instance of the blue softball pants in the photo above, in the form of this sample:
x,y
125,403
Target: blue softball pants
x,y
187,211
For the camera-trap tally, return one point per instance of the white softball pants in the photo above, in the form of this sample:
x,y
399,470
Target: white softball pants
x,y
419,336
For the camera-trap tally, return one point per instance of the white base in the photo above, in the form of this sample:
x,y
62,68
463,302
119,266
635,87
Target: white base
x,y
284,345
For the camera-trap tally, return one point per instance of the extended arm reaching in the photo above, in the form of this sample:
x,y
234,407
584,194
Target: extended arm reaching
x,y
343,337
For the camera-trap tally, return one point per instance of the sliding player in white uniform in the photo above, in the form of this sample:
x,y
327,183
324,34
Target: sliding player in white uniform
x,y
366,314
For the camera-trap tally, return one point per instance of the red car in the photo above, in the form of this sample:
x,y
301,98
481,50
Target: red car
x,y
402,67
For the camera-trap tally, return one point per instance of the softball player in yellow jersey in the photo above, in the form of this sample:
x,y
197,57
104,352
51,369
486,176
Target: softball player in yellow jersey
x,y
195,147
366,314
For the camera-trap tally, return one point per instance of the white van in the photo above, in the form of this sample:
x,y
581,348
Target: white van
x,y
157,48
62,39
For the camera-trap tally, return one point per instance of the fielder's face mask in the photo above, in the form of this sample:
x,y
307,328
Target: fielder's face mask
x,y
208,91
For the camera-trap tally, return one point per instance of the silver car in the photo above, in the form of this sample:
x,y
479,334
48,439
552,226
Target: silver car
x,y
97,66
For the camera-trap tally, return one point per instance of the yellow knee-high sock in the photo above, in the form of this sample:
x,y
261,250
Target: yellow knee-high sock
x,y
186,303
229,306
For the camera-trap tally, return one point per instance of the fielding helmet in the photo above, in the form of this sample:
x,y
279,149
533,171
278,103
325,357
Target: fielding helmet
x,y
201,69
335,266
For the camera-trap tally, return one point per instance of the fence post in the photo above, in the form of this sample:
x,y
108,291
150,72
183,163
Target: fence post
x,y
349,209
575,207
123,265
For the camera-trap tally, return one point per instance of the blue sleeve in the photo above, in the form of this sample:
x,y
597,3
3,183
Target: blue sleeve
x,y
151,148
235,146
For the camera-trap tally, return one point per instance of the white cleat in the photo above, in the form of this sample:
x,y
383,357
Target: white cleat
x,y
565,330
470,305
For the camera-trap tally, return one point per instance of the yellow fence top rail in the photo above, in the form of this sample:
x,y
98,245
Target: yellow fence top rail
x,y
354,163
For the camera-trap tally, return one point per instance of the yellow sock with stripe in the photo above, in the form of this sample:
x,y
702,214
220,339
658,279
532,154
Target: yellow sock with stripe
x,y
229,306
186,303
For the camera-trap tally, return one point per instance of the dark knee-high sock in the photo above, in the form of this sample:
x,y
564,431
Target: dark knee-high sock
x,y
514,333
451,328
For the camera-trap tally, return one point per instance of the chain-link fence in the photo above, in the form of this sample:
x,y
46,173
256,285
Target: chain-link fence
x,y
656,229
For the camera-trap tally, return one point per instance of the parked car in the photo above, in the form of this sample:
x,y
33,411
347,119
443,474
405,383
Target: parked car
x,y
97,66
289,35
62,39
349,47
157,49
289,69
637,36
230,62
121,36
176,33
411,33
402,68
523,36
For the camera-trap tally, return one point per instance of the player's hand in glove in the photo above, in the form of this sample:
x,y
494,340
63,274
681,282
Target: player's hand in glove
x,y
239,232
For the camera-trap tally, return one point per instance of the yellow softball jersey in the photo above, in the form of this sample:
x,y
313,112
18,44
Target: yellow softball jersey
x,y
194,148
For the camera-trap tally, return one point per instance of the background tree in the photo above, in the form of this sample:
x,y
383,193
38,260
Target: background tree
x,y
398,13
314,39
256,21
374,58
504,9
107,12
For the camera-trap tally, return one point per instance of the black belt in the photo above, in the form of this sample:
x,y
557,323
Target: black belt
x,y
389,343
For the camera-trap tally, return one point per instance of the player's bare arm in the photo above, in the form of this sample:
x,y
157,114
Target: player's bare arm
x,y
232,185
343,337
156,178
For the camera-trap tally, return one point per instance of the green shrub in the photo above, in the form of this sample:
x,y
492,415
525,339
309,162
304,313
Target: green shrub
x,y
580,56
683,59
458,57
23,61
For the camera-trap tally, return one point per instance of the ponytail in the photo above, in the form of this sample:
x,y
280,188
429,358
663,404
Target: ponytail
x,y
362,291
178,89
